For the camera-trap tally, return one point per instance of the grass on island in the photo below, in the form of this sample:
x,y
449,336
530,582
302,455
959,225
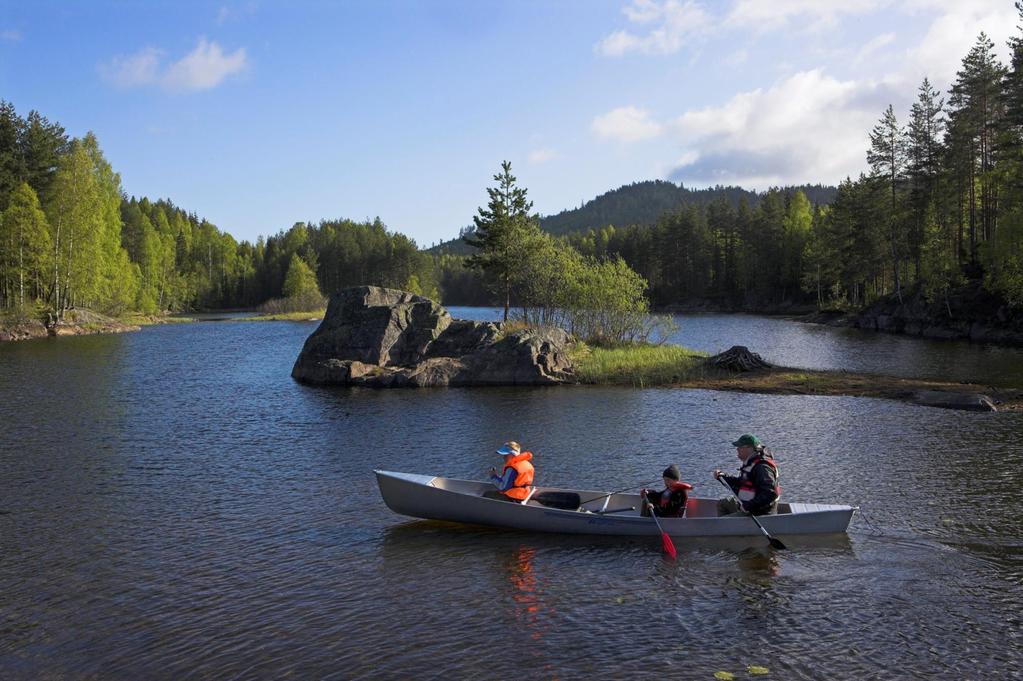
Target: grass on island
x,y
636,364
644,365
311,316
139,319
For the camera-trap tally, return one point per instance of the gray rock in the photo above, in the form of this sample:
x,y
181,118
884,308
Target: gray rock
x,y
946,400
372,325
382,338
462,337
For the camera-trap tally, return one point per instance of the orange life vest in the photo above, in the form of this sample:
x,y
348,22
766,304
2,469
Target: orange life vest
x,y
520,486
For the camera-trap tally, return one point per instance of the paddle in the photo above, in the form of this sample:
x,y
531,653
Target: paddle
x,y
618,491
666,542
774,542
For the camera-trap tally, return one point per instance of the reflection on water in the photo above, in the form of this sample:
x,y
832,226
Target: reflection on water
x,y
172,505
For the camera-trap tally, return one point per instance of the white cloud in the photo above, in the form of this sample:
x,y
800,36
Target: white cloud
x,y
672,25
626,124
808,127
542,155
10,36
202,69
873,46
953,32
768,15
133,70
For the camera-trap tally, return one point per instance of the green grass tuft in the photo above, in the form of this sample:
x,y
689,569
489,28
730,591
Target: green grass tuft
x,y
315,315
638,364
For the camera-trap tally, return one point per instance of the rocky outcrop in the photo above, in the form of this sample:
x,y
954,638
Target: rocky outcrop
x,y
969,313
78,322
383,338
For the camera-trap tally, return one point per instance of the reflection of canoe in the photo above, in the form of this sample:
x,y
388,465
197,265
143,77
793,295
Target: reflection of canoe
x,y
436,498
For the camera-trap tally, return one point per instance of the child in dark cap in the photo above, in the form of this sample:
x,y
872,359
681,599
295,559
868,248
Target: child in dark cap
x,y
671,502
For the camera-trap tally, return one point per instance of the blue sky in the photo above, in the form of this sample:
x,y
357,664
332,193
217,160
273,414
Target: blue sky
x,y
258,114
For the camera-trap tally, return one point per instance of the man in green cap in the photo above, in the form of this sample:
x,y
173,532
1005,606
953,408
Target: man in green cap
x,y
756,486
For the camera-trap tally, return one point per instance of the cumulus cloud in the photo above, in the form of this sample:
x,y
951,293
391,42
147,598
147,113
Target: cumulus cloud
x,y
954,31
666,28
10,36
808,126
626,124
203,68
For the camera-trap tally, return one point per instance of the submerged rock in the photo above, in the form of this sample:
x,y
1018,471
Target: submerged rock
x,y
384,338
949,400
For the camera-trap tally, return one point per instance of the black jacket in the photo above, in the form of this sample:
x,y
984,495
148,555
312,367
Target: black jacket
x,y
764,480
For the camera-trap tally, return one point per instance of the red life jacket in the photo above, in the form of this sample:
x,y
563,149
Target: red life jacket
x,y
520,485
746,490
663,500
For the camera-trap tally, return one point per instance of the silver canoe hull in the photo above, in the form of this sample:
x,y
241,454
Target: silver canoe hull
x,y
437,498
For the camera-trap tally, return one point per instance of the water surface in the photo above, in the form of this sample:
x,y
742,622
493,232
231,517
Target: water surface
x,y
173,506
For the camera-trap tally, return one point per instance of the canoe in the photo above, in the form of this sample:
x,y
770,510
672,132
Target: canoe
x,y
591,511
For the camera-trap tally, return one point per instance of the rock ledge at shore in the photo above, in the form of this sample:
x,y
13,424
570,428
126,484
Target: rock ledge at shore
x,y
79,322
384,338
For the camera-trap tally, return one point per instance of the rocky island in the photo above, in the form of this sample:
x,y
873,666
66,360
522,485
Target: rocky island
x,y
384,338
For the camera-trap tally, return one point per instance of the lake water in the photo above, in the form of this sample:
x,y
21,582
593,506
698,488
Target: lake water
x,y
173,505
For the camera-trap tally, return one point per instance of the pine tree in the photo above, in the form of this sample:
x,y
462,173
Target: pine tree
x,y
12,165
887,159
923,151
501,229
976,108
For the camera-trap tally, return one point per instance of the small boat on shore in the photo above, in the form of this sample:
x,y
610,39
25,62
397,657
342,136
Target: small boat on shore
x,y
572,511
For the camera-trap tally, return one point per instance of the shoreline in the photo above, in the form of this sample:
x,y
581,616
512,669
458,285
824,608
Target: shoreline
x,y
925,392
81,323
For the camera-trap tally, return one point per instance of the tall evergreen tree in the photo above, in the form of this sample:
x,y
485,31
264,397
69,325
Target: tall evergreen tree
x,y
976,107
923,152
501,228
887,159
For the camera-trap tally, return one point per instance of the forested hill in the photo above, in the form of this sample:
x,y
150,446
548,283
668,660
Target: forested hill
x,y
642,203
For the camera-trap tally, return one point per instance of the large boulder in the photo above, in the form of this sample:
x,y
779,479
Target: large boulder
x,y
383,338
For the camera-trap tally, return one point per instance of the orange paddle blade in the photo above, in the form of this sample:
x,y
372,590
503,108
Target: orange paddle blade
x,y
669,547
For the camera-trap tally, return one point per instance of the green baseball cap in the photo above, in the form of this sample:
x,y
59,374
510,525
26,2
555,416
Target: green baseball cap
x,y
747,440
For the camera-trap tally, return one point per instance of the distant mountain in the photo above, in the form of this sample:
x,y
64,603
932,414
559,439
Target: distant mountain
x,y
641,203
